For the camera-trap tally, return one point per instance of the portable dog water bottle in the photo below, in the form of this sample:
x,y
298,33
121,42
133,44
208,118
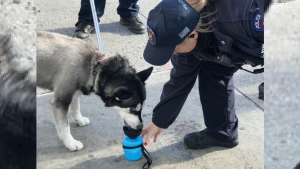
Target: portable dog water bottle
x,y
132,148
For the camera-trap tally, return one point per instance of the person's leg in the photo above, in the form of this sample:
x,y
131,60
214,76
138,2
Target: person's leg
x,y
217,97
185,70
128,8
218,101
85,12
128,11
85,24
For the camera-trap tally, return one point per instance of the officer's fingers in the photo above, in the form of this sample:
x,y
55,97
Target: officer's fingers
x,y
155,137
144,133
145,129
160,131
148,137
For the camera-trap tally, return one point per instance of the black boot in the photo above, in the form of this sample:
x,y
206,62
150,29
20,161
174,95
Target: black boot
x,y
201,140
83,30
134,24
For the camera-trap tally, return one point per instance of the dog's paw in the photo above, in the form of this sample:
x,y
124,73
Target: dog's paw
x,y
83,121
73,145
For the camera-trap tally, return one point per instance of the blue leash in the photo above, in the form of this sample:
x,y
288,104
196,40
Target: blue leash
x,y
96,24
144,151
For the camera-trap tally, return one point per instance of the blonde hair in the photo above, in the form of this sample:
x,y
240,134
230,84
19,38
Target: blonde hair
x,y
199,5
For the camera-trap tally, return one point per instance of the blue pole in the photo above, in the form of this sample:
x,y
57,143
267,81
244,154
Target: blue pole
x,y
96,25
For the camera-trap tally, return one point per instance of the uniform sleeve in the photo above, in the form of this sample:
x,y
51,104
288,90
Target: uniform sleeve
x,y
176,90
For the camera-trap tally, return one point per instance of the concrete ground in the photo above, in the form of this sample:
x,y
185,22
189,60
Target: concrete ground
x,y
282,124
102,138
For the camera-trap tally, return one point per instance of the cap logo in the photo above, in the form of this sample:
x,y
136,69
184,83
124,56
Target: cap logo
x,y
151,35
184,32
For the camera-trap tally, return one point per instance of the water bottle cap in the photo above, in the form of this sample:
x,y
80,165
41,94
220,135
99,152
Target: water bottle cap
x,y
131,133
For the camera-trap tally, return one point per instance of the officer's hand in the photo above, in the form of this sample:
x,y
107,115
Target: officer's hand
x,y
149,131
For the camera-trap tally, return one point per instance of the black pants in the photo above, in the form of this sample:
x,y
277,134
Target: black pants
x,y
126,9
216,91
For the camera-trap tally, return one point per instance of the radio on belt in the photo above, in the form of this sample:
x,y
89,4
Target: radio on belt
x,y
224,60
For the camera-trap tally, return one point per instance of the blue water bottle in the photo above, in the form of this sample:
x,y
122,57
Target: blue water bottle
x,y
133,146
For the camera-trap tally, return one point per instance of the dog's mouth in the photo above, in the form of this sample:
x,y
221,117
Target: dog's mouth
x,y
130,132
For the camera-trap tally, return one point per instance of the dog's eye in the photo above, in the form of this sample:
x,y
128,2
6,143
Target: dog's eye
x,y
123,95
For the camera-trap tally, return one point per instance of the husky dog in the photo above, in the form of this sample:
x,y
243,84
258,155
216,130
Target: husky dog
x,y
17,106
71,67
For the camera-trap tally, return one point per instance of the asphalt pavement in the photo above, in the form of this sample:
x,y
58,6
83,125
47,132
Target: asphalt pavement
x,y
102,138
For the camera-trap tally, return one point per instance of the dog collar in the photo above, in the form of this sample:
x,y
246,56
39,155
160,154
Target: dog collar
x,y
97,68
95,72
99,64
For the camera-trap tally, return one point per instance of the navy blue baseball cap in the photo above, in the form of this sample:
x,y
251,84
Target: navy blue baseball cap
x,y
168,24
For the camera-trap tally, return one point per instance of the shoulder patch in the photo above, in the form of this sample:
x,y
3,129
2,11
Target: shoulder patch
x,y
151,35
258,22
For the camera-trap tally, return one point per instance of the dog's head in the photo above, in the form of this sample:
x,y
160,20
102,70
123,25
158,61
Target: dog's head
x,y
121,87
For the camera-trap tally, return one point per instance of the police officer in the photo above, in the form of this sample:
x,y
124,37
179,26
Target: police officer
x,y
181,31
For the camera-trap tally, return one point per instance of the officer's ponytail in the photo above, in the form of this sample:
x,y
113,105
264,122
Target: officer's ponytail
x,y
204,24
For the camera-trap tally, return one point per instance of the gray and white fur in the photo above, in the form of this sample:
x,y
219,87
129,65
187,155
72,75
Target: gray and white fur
x,y
65,65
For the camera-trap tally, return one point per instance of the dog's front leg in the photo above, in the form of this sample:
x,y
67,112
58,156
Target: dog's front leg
x,y
74,110
60,110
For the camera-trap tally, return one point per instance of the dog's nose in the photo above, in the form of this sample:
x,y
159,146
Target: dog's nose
x,y
139,127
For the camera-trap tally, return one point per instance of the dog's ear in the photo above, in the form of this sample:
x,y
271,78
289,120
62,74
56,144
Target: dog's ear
x,y
123,95
144,74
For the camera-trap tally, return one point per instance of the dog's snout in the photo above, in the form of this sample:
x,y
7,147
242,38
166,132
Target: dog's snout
x,y
140,126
